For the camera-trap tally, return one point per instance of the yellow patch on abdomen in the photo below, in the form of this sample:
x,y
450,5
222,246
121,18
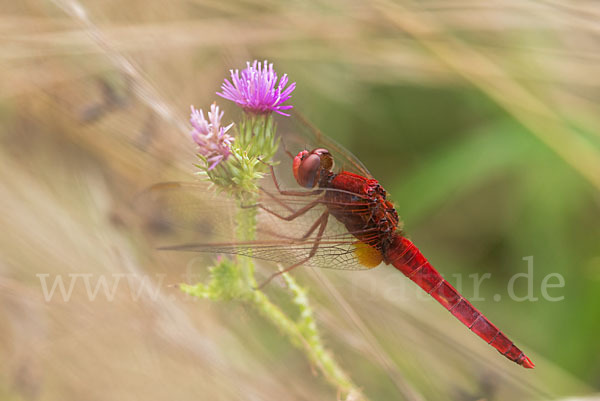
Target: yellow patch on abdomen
x,y
367,255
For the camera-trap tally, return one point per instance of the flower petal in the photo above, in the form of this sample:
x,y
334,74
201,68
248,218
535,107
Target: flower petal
x,y
256,89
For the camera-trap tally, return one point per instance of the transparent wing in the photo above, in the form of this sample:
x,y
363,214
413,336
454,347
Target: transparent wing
x,y
193,217
301,133
340,256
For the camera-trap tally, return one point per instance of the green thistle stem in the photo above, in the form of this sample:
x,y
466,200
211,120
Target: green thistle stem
x,y
303,334
246,231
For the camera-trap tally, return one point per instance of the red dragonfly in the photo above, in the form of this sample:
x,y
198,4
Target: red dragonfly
x,y
340,220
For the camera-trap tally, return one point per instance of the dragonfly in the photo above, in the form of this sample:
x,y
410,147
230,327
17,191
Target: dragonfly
x,y
339,219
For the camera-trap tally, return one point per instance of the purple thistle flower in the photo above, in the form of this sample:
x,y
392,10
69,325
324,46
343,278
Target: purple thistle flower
x,y
257,91
213,141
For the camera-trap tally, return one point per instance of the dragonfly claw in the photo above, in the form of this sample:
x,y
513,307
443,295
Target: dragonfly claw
x,y
262,161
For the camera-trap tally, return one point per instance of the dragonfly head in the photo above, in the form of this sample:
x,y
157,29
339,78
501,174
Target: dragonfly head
x,y
309,165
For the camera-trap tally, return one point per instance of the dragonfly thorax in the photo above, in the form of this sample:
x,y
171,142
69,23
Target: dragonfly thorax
x,y
360,204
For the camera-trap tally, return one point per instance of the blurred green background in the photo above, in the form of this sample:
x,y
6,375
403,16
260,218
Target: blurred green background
x,y
480,119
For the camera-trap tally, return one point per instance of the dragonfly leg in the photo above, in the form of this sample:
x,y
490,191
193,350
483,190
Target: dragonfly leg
x,y
318,223
295,214
285,149
322,224
282,203
304,237
291,193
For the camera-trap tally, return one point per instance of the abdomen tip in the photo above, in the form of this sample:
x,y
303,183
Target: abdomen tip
x,y
527,363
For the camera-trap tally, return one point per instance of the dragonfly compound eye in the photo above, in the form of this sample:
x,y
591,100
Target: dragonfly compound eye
x,y
325,156
306,170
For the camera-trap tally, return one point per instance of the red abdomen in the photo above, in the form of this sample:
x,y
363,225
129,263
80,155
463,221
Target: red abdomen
x,y
407,258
